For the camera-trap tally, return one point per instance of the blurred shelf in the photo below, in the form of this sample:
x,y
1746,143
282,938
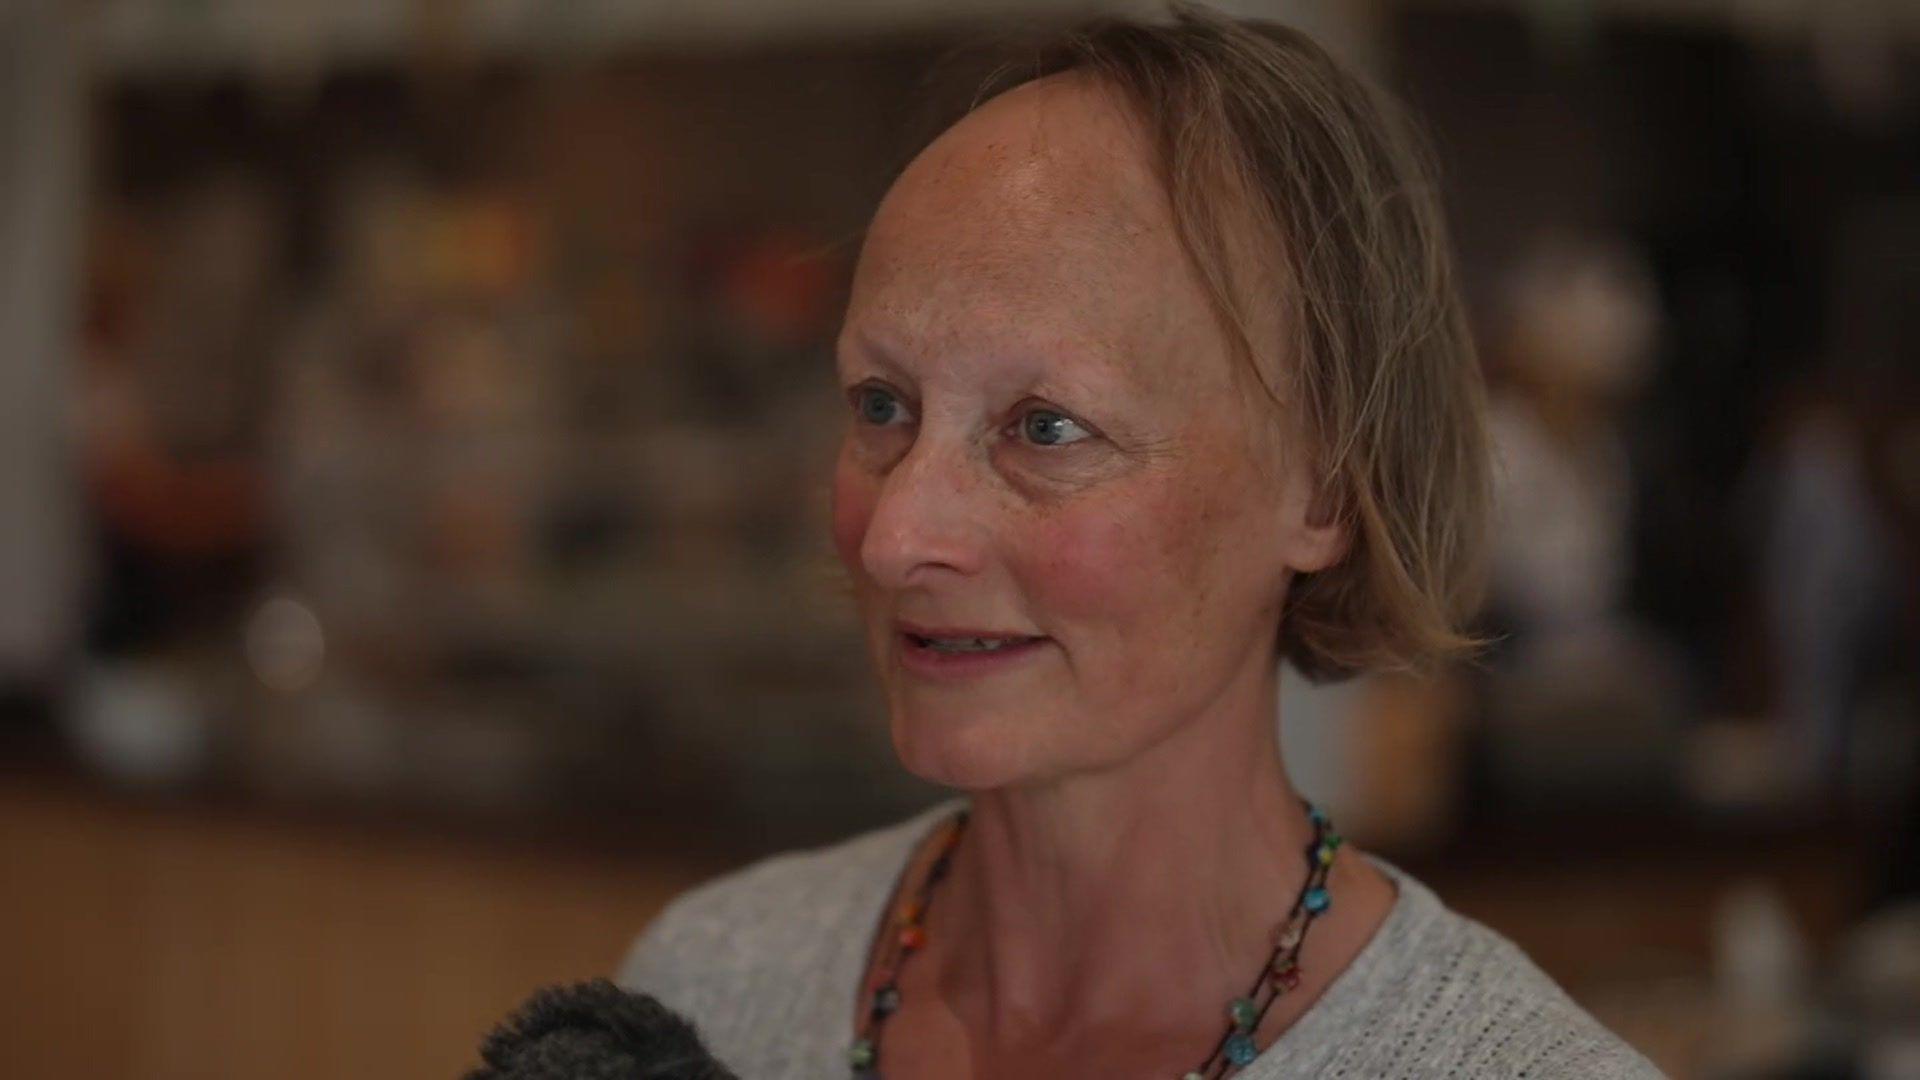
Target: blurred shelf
x,y
290,39
289,36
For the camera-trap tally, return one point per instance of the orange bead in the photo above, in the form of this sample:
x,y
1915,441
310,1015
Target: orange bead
x,y
912,937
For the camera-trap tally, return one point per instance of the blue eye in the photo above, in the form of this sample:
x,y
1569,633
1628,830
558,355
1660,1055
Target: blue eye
x,y
1049,428
873,403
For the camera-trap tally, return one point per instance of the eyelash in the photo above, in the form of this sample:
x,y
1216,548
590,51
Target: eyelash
x,y
857,394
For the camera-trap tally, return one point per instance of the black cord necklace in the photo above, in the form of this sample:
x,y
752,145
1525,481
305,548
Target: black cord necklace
x,y
1236,1049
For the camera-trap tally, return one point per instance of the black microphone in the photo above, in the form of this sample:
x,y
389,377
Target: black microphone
x,y
595,1031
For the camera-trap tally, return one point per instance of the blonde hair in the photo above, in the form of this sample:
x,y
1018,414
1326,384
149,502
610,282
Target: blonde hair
x,y
1256,124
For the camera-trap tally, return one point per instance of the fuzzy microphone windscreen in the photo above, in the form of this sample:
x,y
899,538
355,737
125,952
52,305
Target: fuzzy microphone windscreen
x,y
595,1031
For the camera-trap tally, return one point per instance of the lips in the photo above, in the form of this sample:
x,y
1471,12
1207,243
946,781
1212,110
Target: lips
x,y
962,652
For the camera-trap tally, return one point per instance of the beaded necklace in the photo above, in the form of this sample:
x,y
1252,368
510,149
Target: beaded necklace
x,y
1281,973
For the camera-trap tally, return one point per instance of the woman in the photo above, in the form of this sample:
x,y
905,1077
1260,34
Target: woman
x,y
1156,373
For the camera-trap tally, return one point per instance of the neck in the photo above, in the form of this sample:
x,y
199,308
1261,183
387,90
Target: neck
x,y
1140,896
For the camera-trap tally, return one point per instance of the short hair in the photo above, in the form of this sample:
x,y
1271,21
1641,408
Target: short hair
x,y
1261,134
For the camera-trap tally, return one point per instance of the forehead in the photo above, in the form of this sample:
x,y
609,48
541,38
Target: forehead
x,y
1036,222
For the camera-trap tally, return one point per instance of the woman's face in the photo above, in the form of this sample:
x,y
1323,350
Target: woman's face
x,y
1048,440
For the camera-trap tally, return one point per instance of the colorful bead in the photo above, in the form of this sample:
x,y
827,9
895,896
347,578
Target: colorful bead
x,y
1241,1049
1287,936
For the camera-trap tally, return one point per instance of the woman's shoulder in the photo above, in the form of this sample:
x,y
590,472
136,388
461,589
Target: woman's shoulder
x,y
781,909
1443,993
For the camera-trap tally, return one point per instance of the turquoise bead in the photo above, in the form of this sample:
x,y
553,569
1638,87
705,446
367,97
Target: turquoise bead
x,y
1318,900
1241,1050
1317,815
1243,1013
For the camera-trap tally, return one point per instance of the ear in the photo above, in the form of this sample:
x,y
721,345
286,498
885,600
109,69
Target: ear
x,y
1318,535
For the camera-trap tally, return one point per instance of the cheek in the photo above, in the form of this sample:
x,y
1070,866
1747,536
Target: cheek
x,y
1145,599
1115,565
853,500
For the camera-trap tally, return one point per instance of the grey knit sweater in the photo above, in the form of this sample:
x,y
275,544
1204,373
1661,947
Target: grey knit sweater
x,y
766,962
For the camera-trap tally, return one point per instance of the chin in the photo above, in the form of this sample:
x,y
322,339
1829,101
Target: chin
x,y
968,749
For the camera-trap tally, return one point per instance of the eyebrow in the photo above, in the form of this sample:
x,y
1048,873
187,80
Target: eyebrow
x,y
879,353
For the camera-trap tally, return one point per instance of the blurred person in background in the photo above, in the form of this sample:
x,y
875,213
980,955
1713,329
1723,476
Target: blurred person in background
x,y
170,385
1158,375
169,408
1835,496
1585,697
1831,566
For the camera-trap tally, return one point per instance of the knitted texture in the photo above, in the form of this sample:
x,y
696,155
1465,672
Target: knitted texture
x,y
767,961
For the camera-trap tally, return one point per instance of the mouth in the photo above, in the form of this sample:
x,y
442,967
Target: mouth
x,y
956,651
967,644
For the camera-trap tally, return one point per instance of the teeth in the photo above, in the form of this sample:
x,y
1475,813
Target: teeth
x,y
970,644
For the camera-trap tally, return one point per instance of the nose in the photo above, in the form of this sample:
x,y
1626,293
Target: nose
x,y
926,520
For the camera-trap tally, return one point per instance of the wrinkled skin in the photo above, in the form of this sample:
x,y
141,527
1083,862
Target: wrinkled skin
x,y
1048,435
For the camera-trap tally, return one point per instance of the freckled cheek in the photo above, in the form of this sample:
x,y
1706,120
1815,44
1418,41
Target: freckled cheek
x,y
1098,573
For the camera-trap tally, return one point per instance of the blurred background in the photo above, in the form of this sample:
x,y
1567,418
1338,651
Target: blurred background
x,y
414,426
